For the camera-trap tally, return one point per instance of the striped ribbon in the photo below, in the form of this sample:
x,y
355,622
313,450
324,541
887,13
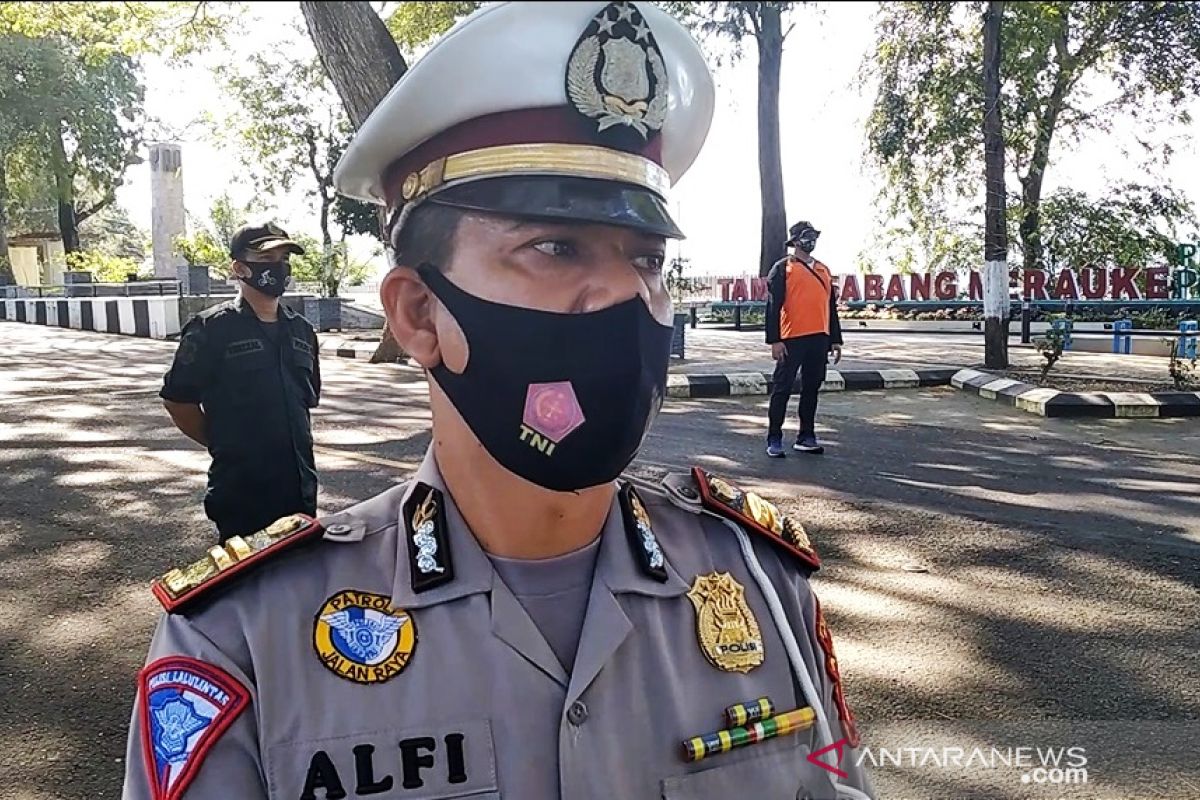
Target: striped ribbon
x,y
722,741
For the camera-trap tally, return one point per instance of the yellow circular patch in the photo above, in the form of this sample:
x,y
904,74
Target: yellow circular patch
x,y
361,637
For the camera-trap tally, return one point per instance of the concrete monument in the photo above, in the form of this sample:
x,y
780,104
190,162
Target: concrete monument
x,y
166,208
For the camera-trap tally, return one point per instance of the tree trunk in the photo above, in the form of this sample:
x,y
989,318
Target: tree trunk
x,y
1031,184
363,62
328,265
995,243
64,190
770,162
359,55
6,270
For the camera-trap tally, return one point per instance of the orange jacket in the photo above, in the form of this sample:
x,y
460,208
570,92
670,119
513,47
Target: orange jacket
x,y
801,302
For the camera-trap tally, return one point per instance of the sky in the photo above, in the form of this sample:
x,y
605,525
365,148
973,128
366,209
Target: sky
x,y
826,176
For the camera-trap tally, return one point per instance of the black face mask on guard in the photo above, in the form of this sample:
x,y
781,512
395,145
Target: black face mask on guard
x,y
562,400
269,277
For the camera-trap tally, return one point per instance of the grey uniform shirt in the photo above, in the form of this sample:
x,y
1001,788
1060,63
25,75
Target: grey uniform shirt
x,y
482,707
554,593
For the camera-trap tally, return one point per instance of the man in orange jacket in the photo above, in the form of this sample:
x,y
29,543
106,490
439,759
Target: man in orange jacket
x,y
803,330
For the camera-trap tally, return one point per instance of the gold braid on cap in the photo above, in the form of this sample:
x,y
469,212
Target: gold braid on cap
x,y
569,160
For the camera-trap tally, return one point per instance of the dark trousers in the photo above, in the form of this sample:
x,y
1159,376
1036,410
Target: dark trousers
x,y
252,512
807,356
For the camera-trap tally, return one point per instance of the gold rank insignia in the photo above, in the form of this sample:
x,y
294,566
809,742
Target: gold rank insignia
x,y
725,625
756,514
238,555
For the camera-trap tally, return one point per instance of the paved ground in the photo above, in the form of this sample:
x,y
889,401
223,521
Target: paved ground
x,y
1057,606
720,349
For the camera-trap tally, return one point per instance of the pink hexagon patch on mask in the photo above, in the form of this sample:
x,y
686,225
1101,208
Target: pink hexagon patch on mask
x,y
552,410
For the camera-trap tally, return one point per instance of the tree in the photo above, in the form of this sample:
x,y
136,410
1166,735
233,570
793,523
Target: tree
x,y
362,62
90,131
311,267
413,25
70,94
1131,225
359,55
923,131
288,124
208,246
762,21
995,247
112,233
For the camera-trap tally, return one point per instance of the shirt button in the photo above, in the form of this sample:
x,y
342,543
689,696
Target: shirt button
x,y
338,529
577,713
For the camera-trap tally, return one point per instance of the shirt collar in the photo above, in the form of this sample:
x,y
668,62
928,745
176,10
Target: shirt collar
x,y
472,568
242,306
616,565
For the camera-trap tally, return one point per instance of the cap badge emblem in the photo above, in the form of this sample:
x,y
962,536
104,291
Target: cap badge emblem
x,y
616,74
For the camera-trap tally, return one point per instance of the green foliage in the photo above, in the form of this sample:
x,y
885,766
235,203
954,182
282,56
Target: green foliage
x,y
733,22
415,24
1181,370
678,285
290,125
355,216
101,29
111,232
1130,225
209,245
329,271
285,120
201,249
1050,346
925,129
929,241
105,268
70,117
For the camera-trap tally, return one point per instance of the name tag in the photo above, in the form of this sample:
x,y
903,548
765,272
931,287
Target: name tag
x,y
426,763
301,346
243,347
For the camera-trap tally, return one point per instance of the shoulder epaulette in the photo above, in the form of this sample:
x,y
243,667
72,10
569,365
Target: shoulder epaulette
x,y
239,555
756,514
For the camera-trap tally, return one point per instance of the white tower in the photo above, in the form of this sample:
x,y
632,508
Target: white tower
x,y
166,208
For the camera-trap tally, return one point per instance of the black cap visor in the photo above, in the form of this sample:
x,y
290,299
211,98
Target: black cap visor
x,y
567,199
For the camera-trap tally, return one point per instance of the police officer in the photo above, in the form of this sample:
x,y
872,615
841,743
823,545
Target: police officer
x,y
244,378
804,331
517,620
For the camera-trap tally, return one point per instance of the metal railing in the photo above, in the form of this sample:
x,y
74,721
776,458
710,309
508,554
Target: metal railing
x,y
159,288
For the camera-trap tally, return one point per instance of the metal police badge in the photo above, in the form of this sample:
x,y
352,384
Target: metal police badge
x,y
185,706
359,636
725,625
616,75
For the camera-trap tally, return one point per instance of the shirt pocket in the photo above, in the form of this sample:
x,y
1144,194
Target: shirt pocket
x,y
439,761
785,774
247,372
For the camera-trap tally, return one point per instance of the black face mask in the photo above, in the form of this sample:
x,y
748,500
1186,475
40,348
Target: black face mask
x,y
269,278
563,400
807,243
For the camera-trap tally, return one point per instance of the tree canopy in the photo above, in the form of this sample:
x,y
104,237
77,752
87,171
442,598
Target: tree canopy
x,y
923,132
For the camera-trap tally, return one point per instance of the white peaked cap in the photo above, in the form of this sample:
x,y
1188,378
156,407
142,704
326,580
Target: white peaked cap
x,y
616,92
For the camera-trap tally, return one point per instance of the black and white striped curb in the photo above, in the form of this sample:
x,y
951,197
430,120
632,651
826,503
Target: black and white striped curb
x,y
759,383
1053,403
151,317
